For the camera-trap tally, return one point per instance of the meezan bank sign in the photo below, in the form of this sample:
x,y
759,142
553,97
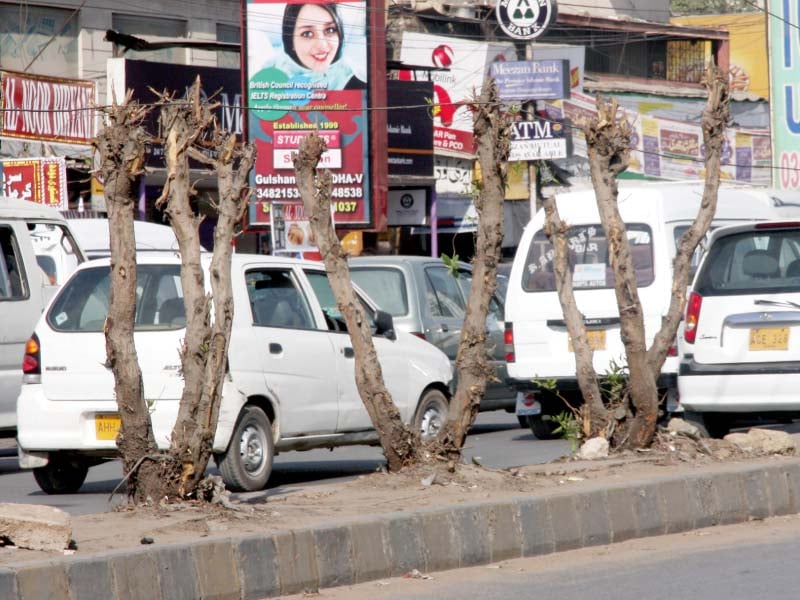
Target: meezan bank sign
x,y
47,109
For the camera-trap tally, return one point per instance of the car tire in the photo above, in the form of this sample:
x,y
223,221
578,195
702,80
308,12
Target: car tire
x,y
713,425
61,475
543,428
431,414
247,463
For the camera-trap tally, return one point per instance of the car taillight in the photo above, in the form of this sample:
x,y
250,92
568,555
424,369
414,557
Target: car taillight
x,y
692,316
419,334
508,340
31,362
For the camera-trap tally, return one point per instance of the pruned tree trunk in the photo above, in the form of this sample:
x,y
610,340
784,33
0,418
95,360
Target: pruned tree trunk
x,y
594,414
121,146
608,143
398,441
203,354
716,117
492,138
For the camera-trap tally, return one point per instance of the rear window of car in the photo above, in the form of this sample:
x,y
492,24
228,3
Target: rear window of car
x,y
752,262
386,287
82,304
588,256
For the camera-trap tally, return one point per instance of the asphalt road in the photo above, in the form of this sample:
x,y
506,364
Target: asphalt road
x,y
496,440
739,562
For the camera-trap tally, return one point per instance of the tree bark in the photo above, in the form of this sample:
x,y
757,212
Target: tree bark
x,y
608,147
492,139
121,146
594,415
716,116
399,443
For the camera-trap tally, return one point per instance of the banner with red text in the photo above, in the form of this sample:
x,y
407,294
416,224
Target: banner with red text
x,y
41,180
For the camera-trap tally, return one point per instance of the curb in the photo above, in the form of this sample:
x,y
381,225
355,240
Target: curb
x,y
260,566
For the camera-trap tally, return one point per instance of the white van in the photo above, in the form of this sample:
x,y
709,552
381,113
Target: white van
x,y
656,215
92,235
38,253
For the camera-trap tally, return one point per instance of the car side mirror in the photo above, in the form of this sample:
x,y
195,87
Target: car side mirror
x,y
384,325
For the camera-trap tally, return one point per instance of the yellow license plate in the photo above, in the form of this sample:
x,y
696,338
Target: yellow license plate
x,y
106,427
772,338
596,337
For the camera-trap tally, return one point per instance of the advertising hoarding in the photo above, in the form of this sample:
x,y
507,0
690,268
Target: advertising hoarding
x,y
465,65
410,127
783,20
307,70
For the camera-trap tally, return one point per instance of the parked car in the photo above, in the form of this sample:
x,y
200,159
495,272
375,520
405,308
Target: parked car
x,y
656,216
424,298
37,253
741,341
291,382
92,234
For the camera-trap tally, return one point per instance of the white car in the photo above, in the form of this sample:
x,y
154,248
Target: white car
x,y
291,383
741,341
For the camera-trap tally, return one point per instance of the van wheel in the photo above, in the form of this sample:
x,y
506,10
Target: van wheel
x,y
713,425
61,475
431,414
543,428
247,463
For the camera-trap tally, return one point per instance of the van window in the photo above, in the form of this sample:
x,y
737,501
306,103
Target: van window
x,y
82,304
276,300
588,256
386,286
13,283
698,252
752,262
56,251
333,317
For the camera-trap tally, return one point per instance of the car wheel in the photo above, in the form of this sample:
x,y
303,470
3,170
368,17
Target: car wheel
x,y
61,475
247,463
713,425
431,414
543,428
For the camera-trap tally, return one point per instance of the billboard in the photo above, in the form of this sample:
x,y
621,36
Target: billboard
x,y
783,19
40,180
47,109
465,65
308,70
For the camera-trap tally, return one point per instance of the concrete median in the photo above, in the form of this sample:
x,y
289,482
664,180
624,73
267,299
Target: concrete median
x,y
380,546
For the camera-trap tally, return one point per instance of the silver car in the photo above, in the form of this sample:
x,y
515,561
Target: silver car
x,y
426,299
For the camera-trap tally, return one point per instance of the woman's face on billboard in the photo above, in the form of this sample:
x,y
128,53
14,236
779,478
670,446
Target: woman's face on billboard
x,y
316,37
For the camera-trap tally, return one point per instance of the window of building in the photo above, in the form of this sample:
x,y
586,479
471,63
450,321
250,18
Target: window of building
x,y
231,34
44,38
152,30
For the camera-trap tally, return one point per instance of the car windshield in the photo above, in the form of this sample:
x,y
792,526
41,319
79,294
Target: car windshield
x,y
588,256
385,286
751,262
82,304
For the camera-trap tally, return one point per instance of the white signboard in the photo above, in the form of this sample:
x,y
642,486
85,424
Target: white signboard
x,y
407,207
538,150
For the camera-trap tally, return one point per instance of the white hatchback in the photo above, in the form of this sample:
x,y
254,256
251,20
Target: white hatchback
x,y
291,382
740,353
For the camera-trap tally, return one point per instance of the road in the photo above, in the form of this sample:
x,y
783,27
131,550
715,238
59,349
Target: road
x,y
496,440
739,562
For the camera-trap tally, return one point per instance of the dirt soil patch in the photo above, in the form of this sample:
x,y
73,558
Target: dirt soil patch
x,y
378,493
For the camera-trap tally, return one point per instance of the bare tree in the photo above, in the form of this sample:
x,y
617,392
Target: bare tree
x,y
608,144
121,147
399,443
491,128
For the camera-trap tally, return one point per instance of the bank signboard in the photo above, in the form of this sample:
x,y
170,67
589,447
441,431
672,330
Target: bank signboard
x,y
308,70
539,139
410,128
532,79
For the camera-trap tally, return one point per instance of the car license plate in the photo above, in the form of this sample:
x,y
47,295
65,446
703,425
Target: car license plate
x,y
527,405
770,338
106,427
596,337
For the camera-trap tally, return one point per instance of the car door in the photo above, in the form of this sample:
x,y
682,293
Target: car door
x,y
443,309
294,352
393,361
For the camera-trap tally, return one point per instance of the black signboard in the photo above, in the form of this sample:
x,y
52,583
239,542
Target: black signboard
x,y
410,127
224,84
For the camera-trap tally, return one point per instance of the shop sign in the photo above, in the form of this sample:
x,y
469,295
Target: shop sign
x,y
47,109
525,19
40,180
407,207
539,139
410,127
532,80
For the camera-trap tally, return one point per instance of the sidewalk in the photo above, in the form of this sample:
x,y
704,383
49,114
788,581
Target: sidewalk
x,y
378,546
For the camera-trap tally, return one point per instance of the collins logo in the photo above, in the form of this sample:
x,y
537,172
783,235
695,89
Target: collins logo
x,y
525,19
